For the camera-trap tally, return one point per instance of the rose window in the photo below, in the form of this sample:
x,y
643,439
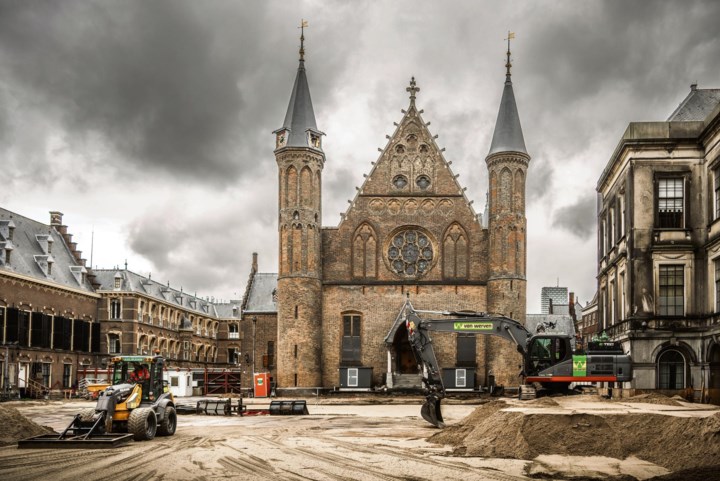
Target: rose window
x,y
410,253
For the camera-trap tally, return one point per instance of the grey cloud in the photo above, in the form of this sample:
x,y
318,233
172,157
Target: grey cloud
x,y
579,218
170,86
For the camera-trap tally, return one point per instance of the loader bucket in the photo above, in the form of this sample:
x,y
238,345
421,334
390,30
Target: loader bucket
x,y
431,411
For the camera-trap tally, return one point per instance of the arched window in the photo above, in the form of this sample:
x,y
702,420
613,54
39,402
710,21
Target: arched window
x,y
455,252
671,370
364,257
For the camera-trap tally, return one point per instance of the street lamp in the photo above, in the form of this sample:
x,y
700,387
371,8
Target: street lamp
x,y
254,320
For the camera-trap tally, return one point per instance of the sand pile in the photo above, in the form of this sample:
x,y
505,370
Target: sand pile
x,y
14,426
650,399
668,441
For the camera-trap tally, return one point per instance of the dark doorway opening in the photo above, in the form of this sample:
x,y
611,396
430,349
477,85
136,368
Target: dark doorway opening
x,y
405,362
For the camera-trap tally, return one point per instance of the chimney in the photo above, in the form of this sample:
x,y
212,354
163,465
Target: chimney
x,y
255,262
56,218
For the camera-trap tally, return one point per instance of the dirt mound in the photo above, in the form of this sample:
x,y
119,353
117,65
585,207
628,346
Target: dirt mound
x,y
491,432
14,426
709,473
544,402
651,399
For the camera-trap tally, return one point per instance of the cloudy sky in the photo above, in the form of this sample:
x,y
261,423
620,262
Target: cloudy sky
x,y
149,122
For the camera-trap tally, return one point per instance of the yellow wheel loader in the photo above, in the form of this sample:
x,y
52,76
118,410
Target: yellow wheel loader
x,y
136,406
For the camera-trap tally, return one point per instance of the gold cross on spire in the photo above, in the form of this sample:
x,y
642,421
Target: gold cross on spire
x,y
303,24
413,89
508,64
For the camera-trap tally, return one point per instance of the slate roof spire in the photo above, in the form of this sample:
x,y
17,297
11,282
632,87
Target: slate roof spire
x,y
508,136
300,116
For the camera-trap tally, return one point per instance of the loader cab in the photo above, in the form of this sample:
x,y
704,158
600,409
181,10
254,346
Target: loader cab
x,y
126,367
545,351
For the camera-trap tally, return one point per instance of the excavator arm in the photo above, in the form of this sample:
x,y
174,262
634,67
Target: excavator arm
x,y
459,322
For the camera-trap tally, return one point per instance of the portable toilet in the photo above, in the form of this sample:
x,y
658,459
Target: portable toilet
x,y
261,384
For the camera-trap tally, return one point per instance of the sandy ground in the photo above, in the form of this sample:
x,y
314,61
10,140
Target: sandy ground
x,y
340,439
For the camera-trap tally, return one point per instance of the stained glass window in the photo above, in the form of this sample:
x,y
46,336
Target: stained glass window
x,y
410,253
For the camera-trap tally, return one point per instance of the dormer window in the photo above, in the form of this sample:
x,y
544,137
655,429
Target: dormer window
x,y
314,140
282,138
5,250
45,263
45,242
118,282
78,273
6,229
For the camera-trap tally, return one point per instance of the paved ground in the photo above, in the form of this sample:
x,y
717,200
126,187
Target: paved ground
x,y
339,439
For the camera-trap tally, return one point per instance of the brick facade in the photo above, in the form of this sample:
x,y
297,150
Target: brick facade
x,y
410,232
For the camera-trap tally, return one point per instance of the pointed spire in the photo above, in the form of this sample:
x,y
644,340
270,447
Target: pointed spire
x,y
300,116
508,64
413,89
508,136
303,24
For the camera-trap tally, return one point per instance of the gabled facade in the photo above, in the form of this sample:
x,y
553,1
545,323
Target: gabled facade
x,y
409,231
659,247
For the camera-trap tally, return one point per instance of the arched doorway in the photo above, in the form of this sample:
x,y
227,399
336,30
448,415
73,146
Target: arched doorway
x,y
405,362
671,370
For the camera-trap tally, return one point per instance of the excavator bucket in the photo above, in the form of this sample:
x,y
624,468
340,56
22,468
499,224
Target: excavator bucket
x,y
431,411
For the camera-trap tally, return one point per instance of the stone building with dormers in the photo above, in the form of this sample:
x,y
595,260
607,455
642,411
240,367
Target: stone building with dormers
x,y
659,248
60,321
410,231
49,328
141,316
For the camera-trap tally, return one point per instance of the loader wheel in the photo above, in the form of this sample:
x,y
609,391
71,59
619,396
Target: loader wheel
x,y
169,423
142,424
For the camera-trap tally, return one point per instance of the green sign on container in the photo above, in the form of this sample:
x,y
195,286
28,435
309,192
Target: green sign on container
x,y
579,365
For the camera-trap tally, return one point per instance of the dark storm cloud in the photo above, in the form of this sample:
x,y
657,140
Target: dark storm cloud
x,y
587,51
579,218
175,86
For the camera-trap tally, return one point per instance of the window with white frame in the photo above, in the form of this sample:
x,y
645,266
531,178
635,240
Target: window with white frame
x,y
233,331
115,309
114,344
460,377
621,209
671,290
352,377
671,202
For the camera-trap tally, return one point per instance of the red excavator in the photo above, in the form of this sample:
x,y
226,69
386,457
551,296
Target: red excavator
x,y
549,360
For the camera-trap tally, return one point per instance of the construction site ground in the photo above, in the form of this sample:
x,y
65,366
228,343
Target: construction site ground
x,y
384,438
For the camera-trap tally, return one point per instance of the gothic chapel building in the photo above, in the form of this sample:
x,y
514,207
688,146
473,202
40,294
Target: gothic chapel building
x,y
409,232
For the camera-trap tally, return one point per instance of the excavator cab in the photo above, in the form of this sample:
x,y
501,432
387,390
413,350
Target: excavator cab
x,y
546,351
